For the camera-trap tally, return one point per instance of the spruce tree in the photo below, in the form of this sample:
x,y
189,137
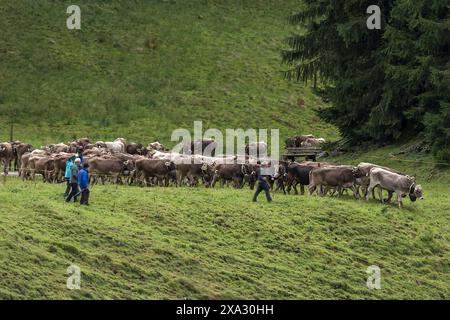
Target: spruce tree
x,y
338,49
383,85
417,71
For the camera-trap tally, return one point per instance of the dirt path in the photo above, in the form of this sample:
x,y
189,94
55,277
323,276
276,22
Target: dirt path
x,y
10,174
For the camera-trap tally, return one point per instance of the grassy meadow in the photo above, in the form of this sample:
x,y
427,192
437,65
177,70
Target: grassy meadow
x,y
176,243
140,69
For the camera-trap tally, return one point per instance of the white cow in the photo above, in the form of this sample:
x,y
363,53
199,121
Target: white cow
x,y
117,146
393,182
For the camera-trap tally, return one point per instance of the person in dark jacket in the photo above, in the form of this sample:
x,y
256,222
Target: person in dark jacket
x,y
69,164
74,170
262,174
83,181
80,154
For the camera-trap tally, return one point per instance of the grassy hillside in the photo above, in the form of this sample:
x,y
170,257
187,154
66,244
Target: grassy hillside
x,y
140,69
196,243
421,165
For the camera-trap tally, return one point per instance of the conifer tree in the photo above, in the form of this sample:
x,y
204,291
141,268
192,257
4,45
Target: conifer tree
x,y
383,85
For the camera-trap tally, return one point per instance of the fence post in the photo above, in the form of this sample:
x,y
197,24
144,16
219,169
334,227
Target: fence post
x,y
11,131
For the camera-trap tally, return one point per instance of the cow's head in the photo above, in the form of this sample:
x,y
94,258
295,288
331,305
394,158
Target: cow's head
x,y
207,174
415,192
250,175
128,167
170,165
100,144
357,172
208,169
279,171
143,151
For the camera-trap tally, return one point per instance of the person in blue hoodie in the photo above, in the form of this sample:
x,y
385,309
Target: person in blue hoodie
x,y
74,190
69,164
83,182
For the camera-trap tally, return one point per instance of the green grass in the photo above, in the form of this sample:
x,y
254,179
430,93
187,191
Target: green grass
x,y
167,243
140,69
420,165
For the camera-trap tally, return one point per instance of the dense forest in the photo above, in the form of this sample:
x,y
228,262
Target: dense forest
x,y
385,85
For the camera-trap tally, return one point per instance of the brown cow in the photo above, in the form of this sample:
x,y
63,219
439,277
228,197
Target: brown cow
x,y
95,151
82,142
298,173
41,164
147,169
60,166
338,177
206,147
193,172
106,166
136,148
312,142
233,172
7,155
156,146
57,148
297,140
19,150
24,171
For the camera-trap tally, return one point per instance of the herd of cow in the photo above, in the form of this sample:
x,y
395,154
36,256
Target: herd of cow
x,y
122,162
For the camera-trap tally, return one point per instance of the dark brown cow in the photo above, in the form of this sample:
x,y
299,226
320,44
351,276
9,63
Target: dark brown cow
x,y
297,140
83,142
136,148
298,174
233,172
279,176
207,147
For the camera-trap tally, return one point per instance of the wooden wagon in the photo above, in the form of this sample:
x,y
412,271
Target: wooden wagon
x,y
309,153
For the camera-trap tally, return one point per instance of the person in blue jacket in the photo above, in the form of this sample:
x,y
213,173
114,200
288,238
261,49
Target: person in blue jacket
x,y
74,190
69,164
83,182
